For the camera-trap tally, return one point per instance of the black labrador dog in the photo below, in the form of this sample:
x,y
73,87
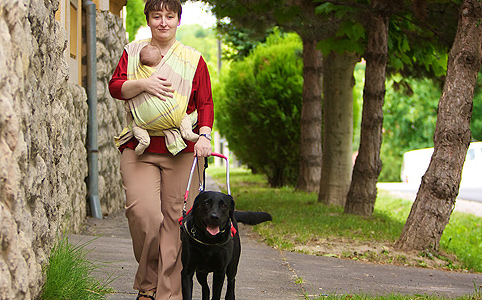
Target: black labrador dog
x,y
210,243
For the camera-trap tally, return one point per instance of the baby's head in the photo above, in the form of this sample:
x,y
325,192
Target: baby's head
x,y
150,56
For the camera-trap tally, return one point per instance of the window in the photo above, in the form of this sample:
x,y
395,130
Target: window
x,y
69,15
73,30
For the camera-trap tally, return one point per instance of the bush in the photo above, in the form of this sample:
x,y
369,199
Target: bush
x,y
259,113
409,117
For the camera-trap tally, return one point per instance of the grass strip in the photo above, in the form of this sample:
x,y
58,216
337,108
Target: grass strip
x,y
299,219
69,274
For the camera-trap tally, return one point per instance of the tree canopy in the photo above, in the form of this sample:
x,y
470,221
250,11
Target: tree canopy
x,y
135,17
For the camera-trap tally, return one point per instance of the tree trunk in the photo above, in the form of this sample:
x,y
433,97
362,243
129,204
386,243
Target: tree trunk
x,y
440,185
310,142
337,127
363,189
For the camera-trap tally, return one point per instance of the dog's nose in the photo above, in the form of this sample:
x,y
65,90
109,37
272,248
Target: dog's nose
x,y
214,216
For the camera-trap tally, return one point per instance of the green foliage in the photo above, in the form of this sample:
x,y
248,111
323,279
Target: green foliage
x,y
409,117
69,275
325,8
135,17
259,113
242,25
238,42
359,74
476,121
349,37
414,50
350,34
202,39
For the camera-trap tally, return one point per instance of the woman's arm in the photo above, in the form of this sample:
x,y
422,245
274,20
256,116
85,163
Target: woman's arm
x,y
203,100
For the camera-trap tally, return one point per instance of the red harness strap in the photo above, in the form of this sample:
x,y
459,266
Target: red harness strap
x,y
182,218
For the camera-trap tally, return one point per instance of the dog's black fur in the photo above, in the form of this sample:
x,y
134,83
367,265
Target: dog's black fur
x,y
208,244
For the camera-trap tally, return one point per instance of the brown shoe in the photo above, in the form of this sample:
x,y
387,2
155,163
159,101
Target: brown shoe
x,y
148,295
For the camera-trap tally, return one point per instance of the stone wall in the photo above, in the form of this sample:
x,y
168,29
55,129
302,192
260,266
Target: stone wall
x,y
111,38
43,125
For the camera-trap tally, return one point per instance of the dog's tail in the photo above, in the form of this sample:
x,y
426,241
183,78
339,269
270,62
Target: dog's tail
x,y
251,217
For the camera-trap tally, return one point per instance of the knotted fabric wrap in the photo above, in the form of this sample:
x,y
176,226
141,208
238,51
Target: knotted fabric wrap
x,y
178,67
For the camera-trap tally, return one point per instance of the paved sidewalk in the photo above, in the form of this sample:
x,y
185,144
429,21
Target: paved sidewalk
x,y
266,273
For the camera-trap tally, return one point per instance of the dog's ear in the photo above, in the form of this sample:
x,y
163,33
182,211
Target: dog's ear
x,y
197,200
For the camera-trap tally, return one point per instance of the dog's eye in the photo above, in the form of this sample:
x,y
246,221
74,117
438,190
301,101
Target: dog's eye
x,y
223,205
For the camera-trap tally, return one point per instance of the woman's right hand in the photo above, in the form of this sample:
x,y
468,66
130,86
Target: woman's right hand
x,y
158,86
155,85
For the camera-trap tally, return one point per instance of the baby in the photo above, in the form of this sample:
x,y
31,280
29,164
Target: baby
x,y
151,56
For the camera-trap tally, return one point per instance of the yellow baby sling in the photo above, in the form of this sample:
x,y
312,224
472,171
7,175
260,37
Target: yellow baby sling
x,y
155,115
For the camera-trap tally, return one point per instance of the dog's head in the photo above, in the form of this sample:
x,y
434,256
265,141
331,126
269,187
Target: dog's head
x,y
212,211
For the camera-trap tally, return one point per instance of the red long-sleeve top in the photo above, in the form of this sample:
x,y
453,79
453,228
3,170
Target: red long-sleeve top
x,y
200,99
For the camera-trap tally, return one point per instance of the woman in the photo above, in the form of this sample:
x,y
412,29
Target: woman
x,y
155,181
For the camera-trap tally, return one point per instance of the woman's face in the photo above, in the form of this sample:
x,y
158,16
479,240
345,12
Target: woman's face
x,y
163,24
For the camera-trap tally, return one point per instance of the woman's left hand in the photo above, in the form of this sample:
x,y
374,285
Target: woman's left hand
x,y
203,148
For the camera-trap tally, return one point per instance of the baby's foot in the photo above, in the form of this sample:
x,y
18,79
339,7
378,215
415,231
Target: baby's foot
x,y
191,136
140,148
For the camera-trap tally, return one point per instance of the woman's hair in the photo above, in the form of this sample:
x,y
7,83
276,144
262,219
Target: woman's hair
x,y
157,5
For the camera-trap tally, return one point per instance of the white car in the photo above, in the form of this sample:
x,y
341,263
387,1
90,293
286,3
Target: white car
x,y
415,164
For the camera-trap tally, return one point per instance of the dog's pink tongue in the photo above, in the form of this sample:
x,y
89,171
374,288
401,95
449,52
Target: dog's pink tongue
x,y
213,230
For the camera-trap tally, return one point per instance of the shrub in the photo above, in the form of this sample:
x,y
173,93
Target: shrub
x,y
259,113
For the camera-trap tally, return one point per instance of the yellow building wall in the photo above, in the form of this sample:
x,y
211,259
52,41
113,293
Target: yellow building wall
x,y
69,16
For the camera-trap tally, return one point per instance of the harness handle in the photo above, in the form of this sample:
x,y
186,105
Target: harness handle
x,y
228,189
193,167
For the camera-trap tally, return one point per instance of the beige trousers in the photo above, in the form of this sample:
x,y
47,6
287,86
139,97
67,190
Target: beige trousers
x,y
155,185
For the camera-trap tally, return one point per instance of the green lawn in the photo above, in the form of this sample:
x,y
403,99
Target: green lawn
x,y
298,218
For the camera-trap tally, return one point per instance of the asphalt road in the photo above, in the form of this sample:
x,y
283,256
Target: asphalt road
x,y
471,193
466,192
